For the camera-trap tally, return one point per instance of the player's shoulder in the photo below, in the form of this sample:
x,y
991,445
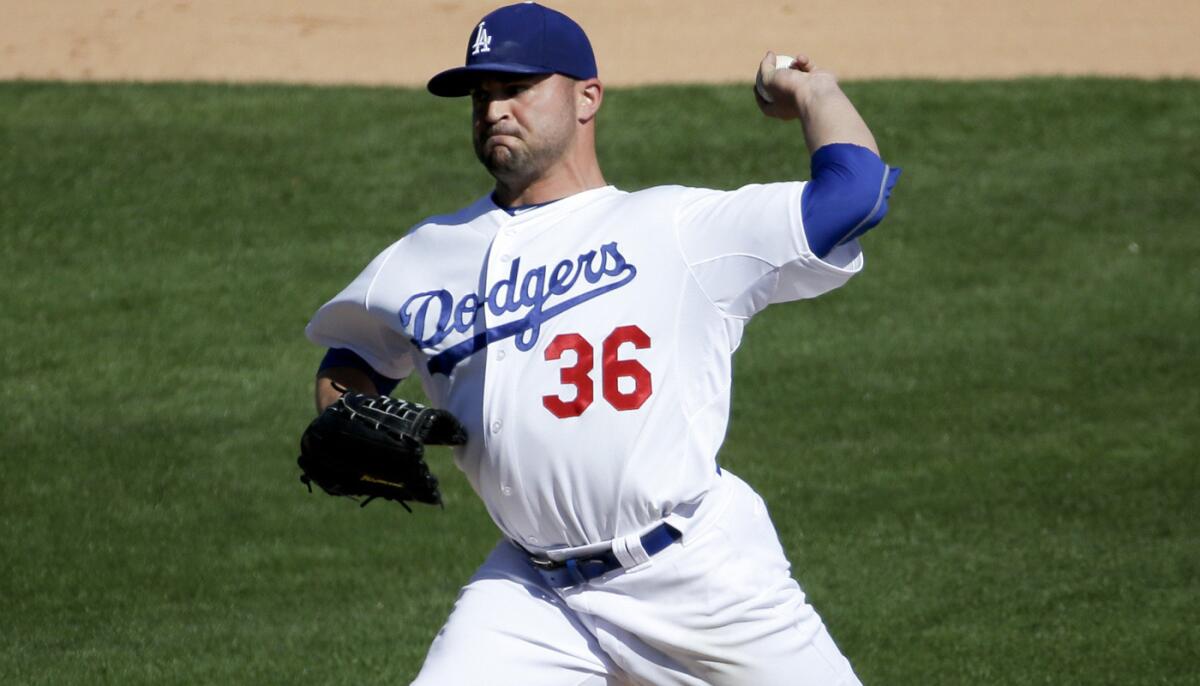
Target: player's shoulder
x,y
441,231
689,198
462,218
680,195
665,198
667,193
429,236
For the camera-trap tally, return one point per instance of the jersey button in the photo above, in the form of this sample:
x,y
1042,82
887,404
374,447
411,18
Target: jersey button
x,y
499,354
496,426
505,258
532,539
506,490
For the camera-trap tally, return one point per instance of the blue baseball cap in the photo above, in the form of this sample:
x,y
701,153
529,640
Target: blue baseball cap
x,y
520,39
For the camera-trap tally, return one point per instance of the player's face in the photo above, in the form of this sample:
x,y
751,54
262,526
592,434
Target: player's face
x,y
522,125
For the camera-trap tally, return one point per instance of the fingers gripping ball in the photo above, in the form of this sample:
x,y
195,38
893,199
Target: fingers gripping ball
x,y
781,62
373,446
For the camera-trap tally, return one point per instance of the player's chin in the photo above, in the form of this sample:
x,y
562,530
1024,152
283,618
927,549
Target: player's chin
x,y
497,145
500,158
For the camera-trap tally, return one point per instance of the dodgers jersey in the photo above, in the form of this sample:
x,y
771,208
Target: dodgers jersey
x,y
585,344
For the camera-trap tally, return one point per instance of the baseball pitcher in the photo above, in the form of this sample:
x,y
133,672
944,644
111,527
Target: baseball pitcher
x,y
575,341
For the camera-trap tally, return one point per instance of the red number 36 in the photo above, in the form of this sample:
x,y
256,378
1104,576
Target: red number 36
x,y
612,370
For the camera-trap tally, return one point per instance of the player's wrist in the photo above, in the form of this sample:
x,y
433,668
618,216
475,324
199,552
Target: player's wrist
x,y
819,87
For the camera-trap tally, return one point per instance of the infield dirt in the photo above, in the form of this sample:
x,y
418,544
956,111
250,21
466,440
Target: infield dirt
x,y
637,42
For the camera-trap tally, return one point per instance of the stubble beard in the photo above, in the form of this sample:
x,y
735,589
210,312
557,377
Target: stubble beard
x,y
508,164
519,164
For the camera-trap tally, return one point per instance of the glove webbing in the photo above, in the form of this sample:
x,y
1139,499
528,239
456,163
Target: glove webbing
x,y
388,413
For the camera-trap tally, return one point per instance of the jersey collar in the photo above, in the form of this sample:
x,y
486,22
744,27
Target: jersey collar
x,y
560,203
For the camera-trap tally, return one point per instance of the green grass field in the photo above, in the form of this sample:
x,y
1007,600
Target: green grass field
x,y
982,454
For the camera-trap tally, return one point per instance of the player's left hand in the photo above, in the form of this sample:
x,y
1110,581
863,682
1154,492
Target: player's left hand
x,y
373,446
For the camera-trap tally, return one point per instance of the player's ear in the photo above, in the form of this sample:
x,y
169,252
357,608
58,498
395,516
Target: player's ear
x,y
589,93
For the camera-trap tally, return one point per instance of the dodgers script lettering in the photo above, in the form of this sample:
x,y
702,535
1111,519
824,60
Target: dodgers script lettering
x,y
540,293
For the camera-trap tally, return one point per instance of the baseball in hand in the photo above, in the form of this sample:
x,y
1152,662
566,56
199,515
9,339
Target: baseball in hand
x,y
781,62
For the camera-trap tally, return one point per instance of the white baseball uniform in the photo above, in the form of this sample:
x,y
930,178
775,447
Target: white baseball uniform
x,y
586,345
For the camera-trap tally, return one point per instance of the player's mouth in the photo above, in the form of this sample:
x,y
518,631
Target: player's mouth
x,y
499,139
496,134
495,141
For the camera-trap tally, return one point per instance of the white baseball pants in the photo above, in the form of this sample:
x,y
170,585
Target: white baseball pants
x,y
717,608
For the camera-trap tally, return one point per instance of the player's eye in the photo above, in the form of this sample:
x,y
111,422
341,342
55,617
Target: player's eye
x,y
480,100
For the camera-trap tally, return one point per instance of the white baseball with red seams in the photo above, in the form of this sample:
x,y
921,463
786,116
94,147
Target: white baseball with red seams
x,y
585,344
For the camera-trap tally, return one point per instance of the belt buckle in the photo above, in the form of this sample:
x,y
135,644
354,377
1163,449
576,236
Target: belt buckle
x,y
544,564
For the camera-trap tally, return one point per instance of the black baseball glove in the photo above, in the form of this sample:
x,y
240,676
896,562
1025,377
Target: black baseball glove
x,y
373,446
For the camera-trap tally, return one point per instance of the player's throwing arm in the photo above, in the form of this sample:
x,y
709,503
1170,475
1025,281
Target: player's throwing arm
x,y
794,88
848,192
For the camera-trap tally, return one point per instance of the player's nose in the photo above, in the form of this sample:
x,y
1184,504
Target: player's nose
x,y
490,101
490,111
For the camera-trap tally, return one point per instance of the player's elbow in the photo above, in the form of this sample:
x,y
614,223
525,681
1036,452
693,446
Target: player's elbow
x,y
847,196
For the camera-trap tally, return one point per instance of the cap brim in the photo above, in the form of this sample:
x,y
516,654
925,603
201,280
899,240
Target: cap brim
x,y
457,82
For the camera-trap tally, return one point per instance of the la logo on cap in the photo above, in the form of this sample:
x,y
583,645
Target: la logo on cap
x,y
482,40
533,40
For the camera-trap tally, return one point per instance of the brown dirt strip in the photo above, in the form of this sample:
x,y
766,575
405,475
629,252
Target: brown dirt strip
x,y
637,41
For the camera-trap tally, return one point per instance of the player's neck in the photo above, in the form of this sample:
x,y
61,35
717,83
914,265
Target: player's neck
x,y
568,177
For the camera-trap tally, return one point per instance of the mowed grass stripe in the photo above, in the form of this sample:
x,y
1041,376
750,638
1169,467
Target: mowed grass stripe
x,y
980,454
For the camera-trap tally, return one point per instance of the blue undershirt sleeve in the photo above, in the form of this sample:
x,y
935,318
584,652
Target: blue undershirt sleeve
x,y
344,357
847,196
